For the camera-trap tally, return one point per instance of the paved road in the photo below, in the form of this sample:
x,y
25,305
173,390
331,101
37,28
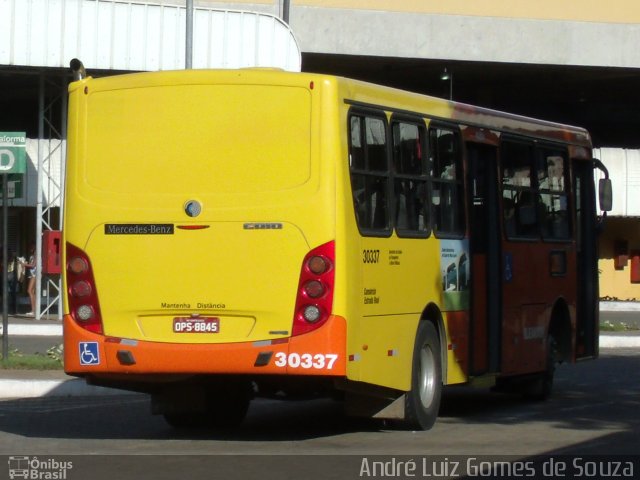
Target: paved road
x,y
594,411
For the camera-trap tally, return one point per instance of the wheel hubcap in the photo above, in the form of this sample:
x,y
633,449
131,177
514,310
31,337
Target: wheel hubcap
x,y
427,376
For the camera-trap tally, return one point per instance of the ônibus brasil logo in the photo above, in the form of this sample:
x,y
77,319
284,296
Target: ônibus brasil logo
x,y
38,469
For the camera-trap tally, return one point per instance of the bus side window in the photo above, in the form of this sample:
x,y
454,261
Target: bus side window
x,y
520,200
447,196
356,149
369,170
410,179
551,164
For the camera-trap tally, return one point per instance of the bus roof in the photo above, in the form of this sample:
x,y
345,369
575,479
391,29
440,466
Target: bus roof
x,y
366,94
401,101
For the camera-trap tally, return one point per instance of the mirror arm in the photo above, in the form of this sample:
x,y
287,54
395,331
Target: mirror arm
x,y
600,166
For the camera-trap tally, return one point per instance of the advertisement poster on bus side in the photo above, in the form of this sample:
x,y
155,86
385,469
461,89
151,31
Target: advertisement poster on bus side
x,y
456,274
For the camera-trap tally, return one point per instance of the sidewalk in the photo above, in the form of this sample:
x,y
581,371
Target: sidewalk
x,y
44,383
48,326
619,306
36,383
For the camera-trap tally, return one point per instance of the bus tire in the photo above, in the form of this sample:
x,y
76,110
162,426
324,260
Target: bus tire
x,y
540,388
422,402
185,420
227,405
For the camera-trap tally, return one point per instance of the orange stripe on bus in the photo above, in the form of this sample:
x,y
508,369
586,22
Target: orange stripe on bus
x,y
313,353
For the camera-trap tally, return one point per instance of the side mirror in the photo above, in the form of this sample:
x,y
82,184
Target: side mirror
x,y
605,194
605,191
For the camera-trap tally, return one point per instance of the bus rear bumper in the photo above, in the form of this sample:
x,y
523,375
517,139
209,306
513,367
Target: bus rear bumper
x,y
321,352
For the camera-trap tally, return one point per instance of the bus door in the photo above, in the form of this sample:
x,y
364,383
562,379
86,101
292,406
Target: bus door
x,y
587,260
484,239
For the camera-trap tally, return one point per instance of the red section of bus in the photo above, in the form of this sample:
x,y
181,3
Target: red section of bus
x,y
309,354
528,300
458,325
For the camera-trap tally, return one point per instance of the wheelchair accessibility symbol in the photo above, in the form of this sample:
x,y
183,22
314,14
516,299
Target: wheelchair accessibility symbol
x,y
89,354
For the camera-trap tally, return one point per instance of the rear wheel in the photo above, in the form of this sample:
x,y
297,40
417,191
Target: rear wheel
x,y
540,388
185,420
423,401
226,406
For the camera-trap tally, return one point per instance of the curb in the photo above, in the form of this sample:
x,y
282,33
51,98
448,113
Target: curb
x,y
618,341
24,329
12,389
616,306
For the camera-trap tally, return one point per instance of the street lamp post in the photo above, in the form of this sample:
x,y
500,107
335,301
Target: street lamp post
x,y
188,57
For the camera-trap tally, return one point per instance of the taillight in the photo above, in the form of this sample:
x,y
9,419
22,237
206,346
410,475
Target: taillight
x,y
81,292
314,299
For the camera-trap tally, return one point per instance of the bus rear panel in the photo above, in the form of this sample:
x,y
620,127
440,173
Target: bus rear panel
x,y
189,248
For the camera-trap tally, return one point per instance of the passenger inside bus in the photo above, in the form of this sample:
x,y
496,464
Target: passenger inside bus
x,y
509,210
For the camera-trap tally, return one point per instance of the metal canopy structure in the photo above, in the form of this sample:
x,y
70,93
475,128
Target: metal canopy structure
x,y
135,36
51,165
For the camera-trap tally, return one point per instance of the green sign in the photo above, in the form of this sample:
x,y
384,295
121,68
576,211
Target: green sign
x,y
13,152
14,186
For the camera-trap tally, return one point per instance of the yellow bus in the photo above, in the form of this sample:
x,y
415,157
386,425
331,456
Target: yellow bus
x,y
241,233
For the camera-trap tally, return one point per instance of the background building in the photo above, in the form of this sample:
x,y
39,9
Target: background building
x,y
568,61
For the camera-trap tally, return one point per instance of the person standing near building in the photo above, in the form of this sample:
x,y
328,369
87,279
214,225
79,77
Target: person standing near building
x,y
13,279
30,265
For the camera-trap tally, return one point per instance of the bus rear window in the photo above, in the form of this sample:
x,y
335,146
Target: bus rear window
x,y
198,138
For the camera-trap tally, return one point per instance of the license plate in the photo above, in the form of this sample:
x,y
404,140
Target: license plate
x,y
196,325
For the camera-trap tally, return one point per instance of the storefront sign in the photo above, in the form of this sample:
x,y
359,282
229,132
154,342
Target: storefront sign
x,y
13,152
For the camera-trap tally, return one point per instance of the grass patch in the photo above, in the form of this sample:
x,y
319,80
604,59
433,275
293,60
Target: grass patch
x,y
614,327
17,360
